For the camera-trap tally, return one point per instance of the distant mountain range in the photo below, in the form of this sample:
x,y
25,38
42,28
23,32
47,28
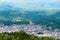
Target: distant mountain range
x,y
11,14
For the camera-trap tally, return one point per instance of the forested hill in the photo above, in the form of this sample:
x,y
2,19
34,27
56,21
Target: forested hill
x,y
22,36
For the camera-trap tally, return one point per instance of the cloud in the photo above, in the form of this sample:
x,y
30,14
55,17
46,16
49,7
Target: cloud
x,y
49,1
34,4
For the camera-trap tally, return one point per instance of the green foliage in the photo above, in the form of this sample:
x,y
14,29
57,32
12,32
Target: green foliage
x,y
22,36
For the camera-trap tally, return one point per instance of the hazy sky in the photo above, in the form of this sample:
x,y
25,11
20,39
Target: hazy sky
x,y
34,4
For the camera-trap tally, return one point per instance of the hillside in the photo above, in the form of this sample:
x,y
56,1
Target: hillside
x,y
22,36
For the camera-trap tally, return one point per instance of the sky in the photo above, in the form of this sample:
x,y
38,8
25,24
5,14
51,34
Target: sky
x,y
34,4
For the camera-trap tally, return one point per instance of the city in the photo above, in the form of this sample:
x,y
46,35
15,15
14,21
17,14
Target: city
x,y
30,29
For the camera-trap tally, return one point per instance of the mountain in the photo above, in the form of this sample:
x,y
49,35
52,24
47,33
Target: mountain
x,y
56,15
12,15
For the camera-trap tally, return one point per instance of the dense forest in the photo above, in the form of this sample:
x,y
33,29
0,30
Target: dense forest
x,y
22,36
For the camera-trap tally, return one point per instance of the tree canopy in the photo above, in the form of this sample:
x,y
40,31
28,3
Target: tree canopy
x,y
22,36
